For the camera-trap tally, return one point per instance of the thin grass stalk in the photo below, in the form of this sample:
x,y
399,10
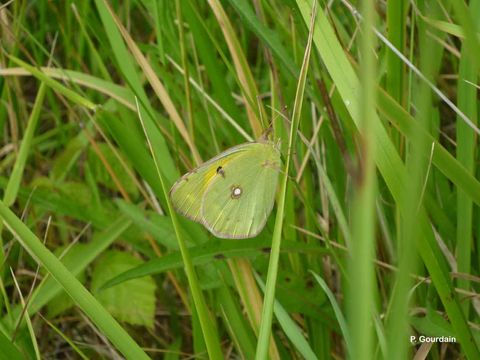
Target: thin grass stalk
x,y
245,77
361,292
27,318
157,86
70,342
207,325
68,93
396,30
91,46
186,83
268,303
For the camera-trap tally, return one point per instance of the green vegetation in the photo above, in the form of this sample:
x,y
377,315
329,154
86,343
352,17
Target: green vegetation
x,y
375,236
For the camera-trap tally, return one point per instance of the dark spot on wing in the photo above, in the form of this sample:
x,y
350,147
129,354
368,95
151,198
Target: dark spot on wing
x,y
220,171
219,256
266,249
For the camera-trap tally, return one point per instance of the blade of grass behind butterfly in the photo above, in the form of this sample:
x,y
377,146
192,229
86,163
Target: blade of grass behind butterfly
x,y
183,55
207,324
245,77
152,78
269,299
267,35
217,106
127,68
215,69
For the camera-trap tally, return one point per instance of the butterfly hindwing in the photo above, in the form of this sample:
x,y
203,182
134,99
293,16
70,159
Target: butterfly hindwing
x,y
238,203
187,193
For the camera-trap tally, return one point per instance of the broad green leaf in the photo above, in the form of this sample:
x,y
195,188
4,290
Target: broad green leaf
x,y
132,301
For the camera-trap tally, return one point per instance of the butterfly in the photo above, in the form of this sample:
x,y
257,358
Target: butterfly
x,y
233,193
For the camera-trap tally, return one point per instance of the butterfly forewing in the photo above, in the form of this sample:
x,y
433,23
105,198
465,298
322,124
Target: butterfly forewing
x,y
238,203
187,193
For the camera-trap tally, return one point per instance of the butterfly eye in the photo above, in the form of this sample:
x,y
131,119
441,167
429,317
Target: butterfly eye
x,y
236,192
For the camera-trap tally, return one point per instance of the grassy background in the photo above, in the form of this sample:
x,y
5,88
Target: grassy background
x,y
375,236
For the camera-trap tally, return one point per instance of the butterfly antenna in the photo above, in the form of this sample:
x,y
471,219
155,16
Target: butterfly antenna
x,y
268,131
279,113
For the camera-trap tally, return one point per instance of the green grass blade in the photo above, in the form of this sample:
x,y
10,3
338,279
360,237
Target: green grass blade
x,y
336,308
17,172
55,85
268,36
361,287
291,329
127,68
208,253
8,350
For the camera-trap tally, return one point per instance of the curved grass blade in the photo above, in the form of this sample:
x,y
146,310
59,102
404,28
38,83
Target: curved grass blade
x,y
291,329
208,253
336,309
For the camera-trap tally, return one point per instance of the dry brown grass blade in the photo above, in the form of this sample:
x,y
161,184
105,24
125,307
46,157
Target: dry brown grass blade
x,y
245,77
156,84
